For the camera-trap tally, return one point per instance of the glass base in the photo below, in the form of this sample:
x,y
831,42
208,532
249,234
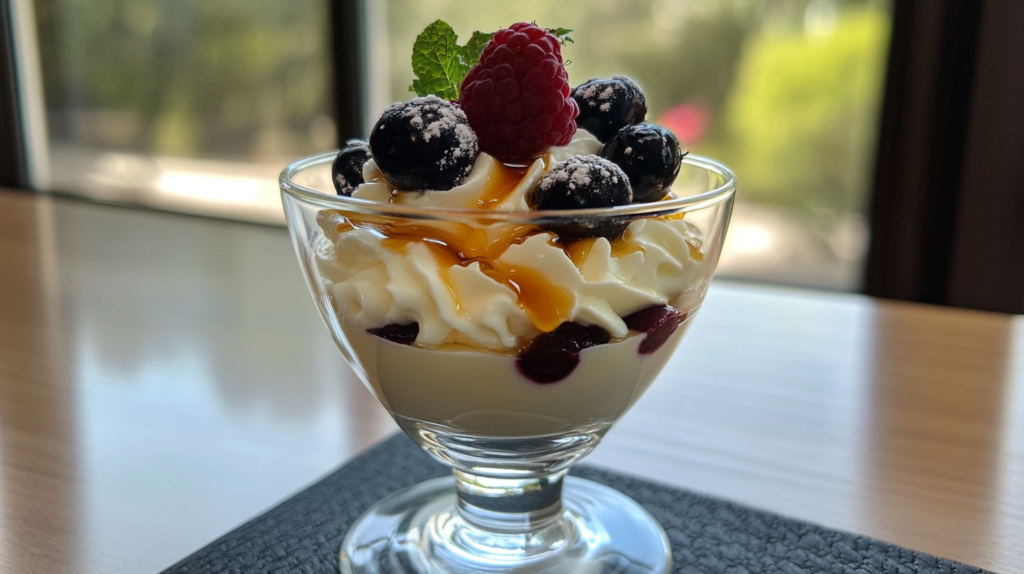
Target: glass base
x,y
418,530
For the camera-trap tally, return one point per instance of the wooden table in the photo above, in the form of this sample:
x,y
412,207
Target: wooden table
x,y
164,378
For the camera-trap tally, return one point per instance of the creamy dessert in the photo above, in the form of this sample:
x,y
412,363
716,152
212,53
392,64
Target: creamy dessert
x,y
504,329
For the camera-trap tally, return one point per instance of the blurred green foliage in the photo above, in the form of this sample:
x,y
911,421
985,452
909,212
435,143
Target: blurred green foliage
x,y
790,88
800,121
240,79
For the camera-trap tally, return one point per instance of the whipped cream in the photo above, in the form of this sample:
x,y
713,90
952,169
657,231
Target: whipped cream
x,y
510,291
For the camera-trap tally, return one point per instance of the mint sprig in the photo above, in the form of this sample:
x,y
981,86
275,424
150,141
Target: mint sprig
x,y
435,61
470,53
440,63
562,34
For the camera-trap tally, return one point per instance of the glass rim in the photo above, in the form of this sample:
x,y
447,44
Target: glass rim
x,y
369,207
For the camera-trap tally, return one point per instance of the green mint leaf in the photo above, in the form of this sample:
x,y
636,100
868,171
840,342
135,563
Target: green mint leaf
x,y
562,34
440,64
470,53
437,63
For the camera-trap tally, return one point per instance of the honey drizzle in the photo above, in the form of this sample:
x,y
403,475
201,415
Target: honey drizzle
x,y
546,305
695,253
500,184
580,250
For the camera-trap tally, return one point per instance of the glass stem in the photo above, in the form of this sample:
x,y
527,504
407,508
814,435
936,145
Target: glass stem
x,y
509,506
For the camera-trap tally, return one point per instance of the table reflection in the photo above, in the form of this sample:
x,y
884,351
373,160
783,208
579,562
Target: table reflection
x,y
191,351
164,378
938,395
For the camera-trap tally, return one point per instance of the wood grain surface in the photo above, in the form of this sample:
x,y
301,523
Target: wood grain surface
x,y
164,378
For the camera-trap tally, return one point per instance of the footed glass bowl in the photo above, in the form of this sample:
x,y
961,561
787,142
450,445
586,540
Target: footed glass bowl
x,y
506,348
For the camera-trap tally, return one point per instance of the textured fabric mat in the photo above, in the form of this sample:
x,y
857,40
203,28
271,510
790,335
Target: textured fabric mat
x,y
303,534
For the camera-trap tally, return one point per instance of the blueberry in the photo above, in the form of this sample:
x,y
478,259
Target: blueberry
x,y
659,322
582,182
423,144
606,106
650,155
402,334
347,169
551,357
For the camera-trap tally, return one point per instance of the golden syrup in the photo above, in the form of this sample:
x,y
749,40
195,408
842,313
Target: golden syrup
x,y
578,251
500,184
695,253
442,253
333,223
546,305
451,243
468,243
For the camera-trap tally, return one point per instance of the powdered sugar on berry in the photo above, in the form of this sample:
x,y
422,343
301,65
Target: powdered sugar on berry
x,y
578,171
466,195
446,118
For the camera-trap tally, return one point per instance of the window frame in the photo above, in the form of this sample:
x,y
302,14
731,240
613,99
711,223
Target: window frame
x,y
948,197
13,163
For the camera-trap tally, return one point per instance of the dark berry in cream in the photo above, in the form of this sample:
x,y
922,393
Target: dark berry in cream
x,y
650,156
606,106
347,169
583,182
551,357
402,334
423,144
658,322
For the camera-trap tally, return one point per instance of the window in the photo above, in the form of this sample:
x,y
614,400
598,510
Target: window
x,y
187,105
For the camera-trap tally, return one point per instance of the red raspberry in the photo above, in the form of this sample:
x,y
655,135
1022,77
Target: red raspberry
x,y
517,97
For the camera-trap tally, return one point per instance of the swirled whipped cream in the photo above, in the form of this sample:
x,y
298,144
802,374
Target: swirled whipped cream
x,y
496,287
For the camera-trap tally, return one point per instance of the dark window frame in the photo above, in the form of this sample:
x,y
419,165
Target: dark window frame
x,y
13,161
947,206
948,201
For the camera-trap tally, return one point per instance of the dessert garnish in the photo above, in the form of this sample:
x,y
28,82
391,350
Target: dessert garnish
x,y
581,182
650,155
607,106
423,144
517,96
440,64
487,131
347,169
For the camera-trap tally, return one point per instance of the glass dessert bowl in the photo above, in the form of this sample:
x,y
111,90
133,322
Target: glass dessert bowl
x,y
508,264
506,346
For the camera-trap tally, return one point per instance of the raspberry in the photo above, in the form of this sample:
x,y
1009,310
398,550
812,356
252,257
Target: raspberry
x,y
517,98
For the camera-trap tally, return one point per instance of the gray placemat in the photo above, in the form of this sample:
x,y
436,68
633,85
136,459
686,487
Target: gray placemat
x,y
303,534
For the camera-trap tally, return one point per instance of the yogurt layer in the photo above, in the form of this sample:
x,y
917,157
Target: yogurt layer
x,y
483,393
